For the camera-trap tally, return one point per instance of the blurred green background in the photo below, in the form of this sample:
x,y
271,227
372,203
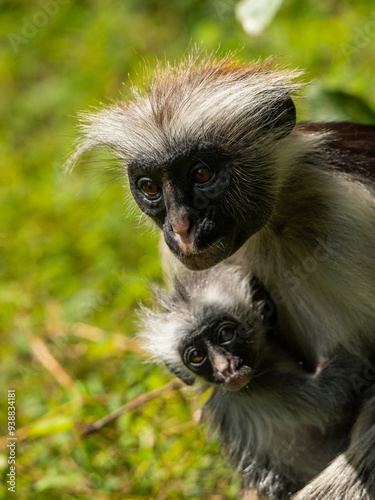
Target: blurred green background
x,y
74,259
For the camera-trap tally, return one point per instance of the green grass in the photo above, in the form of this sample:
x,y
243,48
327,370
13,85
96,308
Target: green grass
x,y
74,259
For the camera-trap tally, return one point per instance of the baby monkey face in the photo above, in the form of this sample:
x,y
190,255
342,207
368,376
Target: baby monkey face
x,y
221,353
216,329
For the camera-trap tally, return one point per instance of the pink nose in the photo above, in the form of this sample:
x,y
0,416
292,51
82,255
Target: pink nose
x,y
224,365
181,226
184,231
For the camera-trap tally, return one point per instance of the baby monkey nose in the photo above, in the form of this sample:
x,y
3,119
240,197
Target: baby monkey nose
x,y
224,365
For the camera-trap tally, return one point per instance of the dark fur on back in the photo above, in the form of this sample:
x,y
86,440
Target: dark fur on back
x,y
350,148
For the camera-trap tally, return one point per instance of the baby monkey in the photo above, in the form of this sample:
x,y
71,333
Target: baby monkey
x,y
279,422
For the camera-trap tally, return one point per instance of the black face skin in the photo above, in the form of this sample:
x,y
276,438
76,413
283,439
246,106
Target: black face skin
x,y
226,346
190,190
199,195
220,353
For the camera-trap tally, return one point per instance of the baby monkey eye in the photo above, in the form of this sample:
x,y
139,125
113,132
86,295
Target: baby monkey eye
x,y
196,356
149,187
225,335
201,174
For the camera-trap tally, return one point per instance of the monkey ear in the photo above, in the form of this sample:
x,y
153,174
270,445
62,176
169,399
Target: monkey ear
x,y
262,302
282,118
187,378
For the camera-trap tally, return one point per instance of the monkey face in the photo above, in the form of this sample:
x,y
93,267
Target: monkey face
x,y
217,327
202,144
221,354
192,199
226,344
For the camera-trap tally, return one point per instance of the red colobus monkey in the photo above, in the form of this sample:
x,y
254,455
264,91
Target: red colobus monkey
x,y
214,156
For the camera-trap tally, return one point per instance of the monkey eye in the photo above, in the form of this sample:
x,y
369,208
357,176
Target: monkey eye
x,y
201,173
225,334
196,357
150,188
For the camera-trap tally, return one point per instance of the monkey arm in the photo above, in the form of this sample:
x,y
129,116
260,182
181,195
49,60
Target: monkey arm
x,y
351,475
332,390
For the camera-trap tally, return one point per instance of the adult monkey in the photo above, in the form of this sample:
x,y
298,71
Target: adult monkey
x,y
216,159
